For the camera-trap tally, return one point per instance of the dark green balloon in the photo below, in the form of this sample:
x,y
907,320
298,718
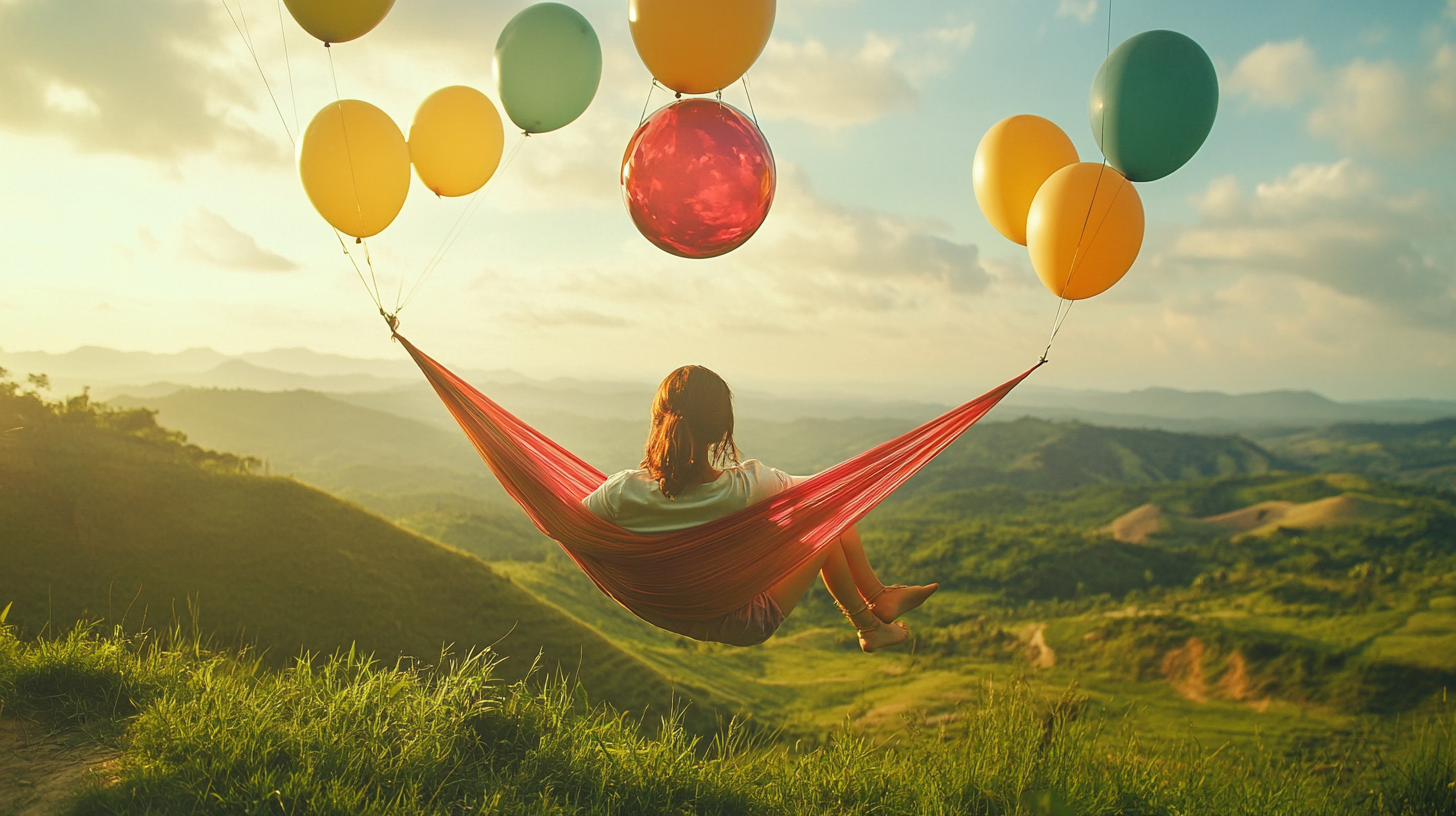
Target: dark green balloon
x,y
548,63
1153,104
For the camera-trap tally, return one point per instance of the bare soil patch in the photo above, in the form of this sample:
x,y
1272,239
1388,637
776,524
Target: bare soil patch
x,y
40,771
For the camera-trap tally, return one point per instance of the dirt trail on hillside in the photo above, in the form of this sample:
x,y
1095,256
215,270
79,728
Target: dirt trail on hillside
x,y
1038,653
40,772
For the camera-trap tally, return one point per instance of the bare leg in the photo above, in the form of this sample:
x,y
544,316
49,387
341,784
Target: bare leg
x,y
859,565
890,602
832,565
790,590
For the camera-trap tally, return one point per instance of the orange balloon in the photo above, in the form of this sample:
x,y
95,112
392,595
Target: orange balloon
x,y
1084,230
699,46
1015,156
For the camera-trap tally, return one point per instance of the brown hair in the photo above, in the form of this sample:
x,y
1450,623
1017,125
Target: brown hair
x,y
692,428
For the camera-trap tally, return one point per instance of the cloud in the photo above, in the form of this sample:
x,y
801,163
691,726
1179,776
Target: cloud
x,y
831,87
837,87
583,318
813,262
576,165
1336,225
209,237
1379,107
820,253
958,37
1083,10
134,77
1277,74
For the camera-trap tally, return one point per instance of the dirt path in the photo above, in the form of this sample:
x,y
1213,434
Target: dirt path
x,y
1038,653
39,772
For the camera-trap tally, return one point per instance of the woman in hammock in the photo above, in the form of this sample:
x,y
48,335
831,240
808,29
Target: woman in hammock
x,y
691,475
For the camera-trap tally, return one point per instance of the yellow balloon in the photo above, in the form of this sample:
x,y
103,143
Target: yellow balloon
x,y
336,21
455,141
355,167
1084,230
699,46
1015,156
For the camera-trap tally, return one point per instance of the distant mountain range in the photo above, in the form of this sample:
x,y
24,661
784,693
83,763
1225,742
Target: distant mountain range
x,y
395,386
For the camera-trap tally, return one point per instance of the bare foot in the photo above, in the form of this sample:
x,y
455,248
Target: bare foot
x,y
883,636
897,600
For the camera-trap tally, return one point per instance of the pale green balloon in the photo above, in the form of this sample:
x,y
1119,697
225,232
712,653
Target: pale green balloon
x,y
548,64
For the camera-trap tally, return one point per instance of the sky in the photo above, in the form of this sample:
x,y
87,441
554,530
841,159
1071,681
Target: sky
x,y
149,200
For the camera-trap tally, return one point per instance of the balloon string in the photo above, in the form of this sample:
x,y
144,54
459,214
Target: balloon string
x,y
353,176
248,44
1061,316
648,102
1057,325
458,228
358,271
751,111
288,64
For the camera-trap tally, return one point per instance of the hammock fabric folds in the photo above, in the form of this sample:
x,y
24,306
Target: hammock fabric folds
x,y
703,571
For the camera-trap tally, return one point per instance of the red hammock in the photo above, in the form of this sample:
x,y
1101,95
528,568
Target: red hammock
x,y
703,571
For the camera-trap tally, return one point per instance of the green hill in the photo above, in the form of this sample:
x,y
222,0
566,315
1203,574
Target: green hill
x,y
106,516
1034,454
1416,452
358,453
431,481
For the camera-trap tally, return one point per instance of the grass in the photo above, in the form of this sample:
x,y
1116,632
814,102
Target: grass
x,y
106,517
204,732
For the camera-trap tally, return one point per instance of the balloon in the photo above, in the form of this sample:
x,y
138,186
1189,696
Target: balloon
x,y
1153,104
354,164
548,64
336,21
455,141
698,178
1084,230
1015,156
699,46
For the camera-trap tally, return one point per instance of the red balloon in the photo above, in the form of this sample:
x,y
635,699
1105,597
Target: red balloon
x,y
698,178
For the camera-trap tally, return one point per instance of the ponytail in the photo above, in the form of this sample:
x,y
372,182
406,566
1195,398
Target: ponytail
x,y
692,429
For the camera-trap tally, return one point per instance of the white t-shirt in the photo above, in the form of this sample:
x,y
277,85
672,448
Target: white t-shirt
x,y
632,500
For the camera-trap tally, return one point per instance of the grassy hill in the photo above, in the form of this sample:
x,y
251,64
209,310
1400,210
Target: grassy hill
x,y
106,516
1296,636
430,480
187,731
352,451
1417,452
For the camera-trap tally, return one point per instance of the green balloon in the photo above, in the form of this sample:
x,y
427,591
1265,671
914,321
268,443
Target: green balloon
x,y
1153,104
548,64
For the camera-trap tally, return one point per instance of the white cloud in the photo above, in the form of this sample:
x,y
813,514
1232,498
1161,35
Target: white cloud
x,y
138,77
823,253
837,87
576,165
209,237
1338,226
956,36
831,87
580,318
1370,105
1379,107
1083,10
812,260
1277,74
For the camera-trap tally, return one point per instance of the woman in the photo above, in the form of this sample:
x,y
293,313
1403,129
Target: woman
x,y
691,475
